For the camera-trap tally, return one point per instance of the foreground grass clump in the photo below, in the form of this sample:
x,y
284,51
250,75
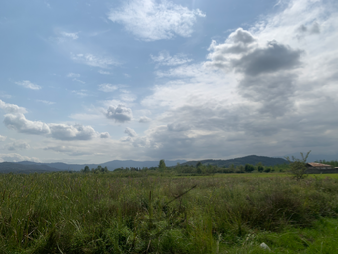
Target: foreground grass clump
x,y
102,213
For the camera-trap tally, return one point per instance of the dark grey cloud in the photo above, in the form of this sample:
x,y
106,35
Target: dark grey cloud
x,y
104,135
178,127
305,30
144,119
272,58
241,53
120,113
273,92
268,72
130,132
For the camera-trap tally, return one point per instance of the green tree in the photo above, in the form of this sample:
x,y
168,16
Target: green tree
x,y
249,168
86,169
267,170
260,167
199,167
162,165
298,166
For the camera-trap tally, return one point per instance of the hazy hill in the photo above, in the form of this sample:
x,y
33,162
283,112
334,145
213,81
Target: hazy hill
x,y
111,165
30,167
251,159
8,167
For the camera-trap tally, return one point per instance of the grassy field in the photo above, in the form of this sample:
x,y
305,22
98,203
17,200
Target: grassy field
x,y
157,213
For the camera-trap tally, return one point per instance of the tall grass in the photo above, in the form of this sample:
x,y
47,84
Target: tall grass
x,y
102,213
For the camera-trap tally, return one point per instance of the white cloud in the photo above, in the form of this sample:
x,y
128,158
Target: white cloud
x,y
104,72
19,123
46,102
28,84
2,138
81,93
14,157
150,20
72,36
73,75
120,113
71,132
107,88
164,58
92,60
11,108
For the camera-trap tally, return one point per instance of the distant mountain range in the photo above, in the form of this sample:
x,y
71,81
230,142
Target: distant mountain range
x,y
251,159
30,167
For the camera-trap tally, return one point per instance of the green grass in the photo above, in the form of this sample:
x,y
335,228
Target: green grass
x,y
321,238
155,213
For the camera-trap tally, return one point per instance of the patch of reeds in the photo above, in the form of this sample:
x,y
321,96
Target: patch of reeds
x,y
93,213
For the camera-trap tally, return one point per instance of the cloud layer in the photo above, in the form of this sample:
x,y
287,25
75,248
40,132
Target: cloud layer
x,y
151,20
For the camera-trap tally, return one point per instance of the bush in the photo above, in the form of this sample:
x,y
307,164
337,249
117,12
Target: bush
x,y
298,166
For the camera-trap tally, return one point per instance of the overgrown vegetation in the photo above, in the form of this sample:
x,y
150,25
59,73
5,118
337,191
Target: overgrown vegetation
x,y
298,166
144,212
206,169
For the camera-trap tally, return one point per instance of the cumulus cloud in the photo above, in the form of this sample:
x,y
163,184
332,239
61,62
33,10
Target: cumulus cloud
x,y
242,53
17,145
120,113
19,123
14,157
28,84
71,132
11,108
92,60
107,88
164,58
144,119
2,138
104,135
267,71
150,20
260,91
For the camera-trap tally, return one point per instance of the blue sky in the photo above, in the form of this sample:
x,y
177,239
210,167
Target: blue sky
x,y
93,81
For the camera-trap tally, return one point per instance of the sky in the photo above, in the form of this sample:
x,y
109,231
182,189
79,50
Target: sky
x,y
93,81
